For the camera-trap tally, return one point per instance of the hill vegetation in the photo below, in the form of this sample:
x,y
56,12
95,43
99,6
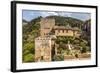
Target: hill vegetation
x,y
64,21
32,30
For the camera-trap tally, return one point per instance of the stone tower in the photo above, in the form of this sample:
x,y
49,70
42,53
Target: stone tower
x,y
43,49
44,43
46,26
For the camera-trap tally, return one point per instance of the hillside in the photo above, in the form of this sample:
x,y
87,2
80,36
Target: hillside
x,y
24,21
32,30
63,21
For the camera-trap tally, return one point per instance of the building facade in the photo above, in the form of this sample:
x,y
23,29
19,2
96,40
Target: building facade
x,y
66,31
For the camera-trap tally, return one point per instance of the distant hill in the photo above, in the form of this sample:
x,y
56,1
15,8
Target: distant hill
x,y
24,22
63,21
32,25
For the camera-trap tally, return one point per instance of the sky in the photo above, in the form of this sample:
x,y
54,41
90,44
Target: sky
x,y
32,14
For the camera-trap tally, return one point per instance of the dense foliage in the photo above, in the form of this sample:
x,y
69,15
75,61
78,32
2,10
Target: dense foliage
x,y
30,31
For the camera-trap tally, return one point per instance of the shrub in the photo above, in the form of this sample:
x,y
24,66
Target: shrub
x,y
29,58
58,58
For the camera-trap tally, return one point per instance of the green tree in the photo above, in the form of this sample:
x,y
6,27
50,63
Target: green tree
x,y
28,52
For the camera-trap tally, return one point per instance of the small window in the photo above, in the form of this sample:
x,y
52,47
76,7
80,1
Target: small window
x,y
41,57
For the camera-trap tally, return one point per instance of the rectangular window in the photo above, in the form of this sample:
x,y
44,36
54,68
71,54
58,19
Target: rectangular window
x,y
41,57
